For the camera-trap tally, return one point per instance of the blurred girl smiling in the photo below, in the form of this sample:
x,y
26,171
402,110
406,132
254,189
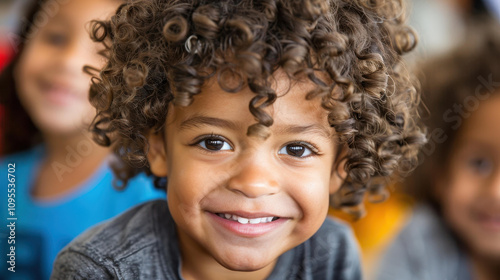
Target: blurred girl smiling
x,y
63,182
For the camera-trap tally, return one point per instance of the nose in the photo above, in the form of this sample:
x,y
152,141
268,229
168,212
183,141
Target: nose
x,y
254,177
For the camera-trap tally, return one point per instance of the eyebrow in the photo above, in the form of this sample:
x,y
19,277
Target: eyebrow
x,y
198,120
311,129
58,21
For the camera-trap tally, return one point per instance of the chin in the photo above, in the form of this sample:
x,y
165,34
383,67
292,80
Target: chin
x,y
62,124
244,263
488,251
62,128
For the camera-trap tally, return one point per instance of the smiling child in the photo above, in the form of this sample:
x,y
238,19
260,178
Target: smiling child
x,y
454,232
256,112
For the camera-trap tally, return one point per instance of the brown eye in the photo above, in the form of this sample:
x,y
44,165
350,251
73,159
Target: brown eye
x,y
481,165
214,144
296,150
56,38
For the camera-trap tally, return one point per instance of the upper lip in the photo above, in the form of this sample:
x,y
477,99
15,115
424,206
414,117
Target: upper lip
x,y
57,85
249,215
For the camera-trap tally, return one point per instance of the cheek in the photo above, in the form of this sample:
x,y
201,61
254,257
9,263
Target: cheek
x,y
460,192
458,198
190,180
311,194
26,74
183,195
35,59
310,189
189,184
459,195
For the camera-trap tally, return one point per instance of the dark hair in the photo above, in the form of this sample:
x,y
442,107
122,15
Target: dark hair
x,y
371,99
18,131
447,81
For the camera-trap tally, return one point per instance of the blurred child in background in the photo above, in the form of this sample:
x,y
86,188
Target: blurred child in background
x,y
455,231
63,182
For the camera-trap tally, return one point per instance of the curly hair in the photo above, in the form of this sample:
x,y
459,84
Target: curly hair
x,y
447,81
357,45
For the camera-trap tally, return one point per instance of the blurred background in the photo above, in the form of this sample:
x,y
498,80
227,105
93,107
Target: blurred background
x,y
9,11
441,26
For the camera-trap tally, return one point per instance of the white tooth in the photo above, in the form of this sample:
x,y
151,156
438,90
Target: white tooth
x,y
263,220
242,220
234,217
255,221
227,216
269,219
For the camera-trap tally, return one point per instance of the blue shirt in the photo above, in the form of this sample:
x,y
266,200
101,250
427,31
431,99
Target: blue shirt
x,y
44,227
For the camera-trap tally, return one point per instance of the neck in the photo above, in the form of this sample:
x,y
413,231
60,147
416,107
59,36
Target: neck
x,y
198,264
70,160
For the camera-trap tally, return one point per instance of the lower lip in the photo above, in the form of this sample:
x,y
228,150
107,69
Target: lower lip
x,y
248,230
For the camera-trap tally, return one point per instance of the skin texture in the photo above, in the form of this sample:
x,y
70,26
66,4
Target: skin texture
x,y
246,174
470,193
53,89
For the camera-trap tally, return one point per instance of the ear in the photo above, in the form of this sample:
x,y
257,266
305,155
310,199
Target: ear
x,y
338,170
157,155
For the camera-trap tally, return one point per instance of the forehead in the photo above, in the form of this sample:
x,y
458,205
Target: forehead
x,y
483,126
76,13
290,107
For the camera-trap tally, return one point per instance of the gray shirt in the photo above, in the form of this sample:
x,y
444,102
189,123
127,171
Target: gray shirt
x,y
142,244
424,250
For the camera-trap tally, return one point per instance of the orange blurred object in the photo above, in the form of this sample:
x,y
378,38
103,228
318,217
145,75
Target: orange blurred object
x,y
380,225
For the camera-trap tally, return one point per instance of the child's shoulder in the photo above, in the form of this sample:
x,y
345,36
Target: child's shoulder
x,y
424,233
133,225
112,248
424,242
331,253
423,223
332,224
340,241
334,233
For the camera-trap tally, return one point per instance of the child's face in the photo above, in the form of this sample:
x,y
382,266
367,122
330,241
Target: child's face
x,y
49,77
470,194
214,169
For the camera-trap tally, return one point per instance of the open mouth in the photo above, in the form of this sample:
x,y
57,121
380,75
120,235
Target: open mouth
x,y
243,220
